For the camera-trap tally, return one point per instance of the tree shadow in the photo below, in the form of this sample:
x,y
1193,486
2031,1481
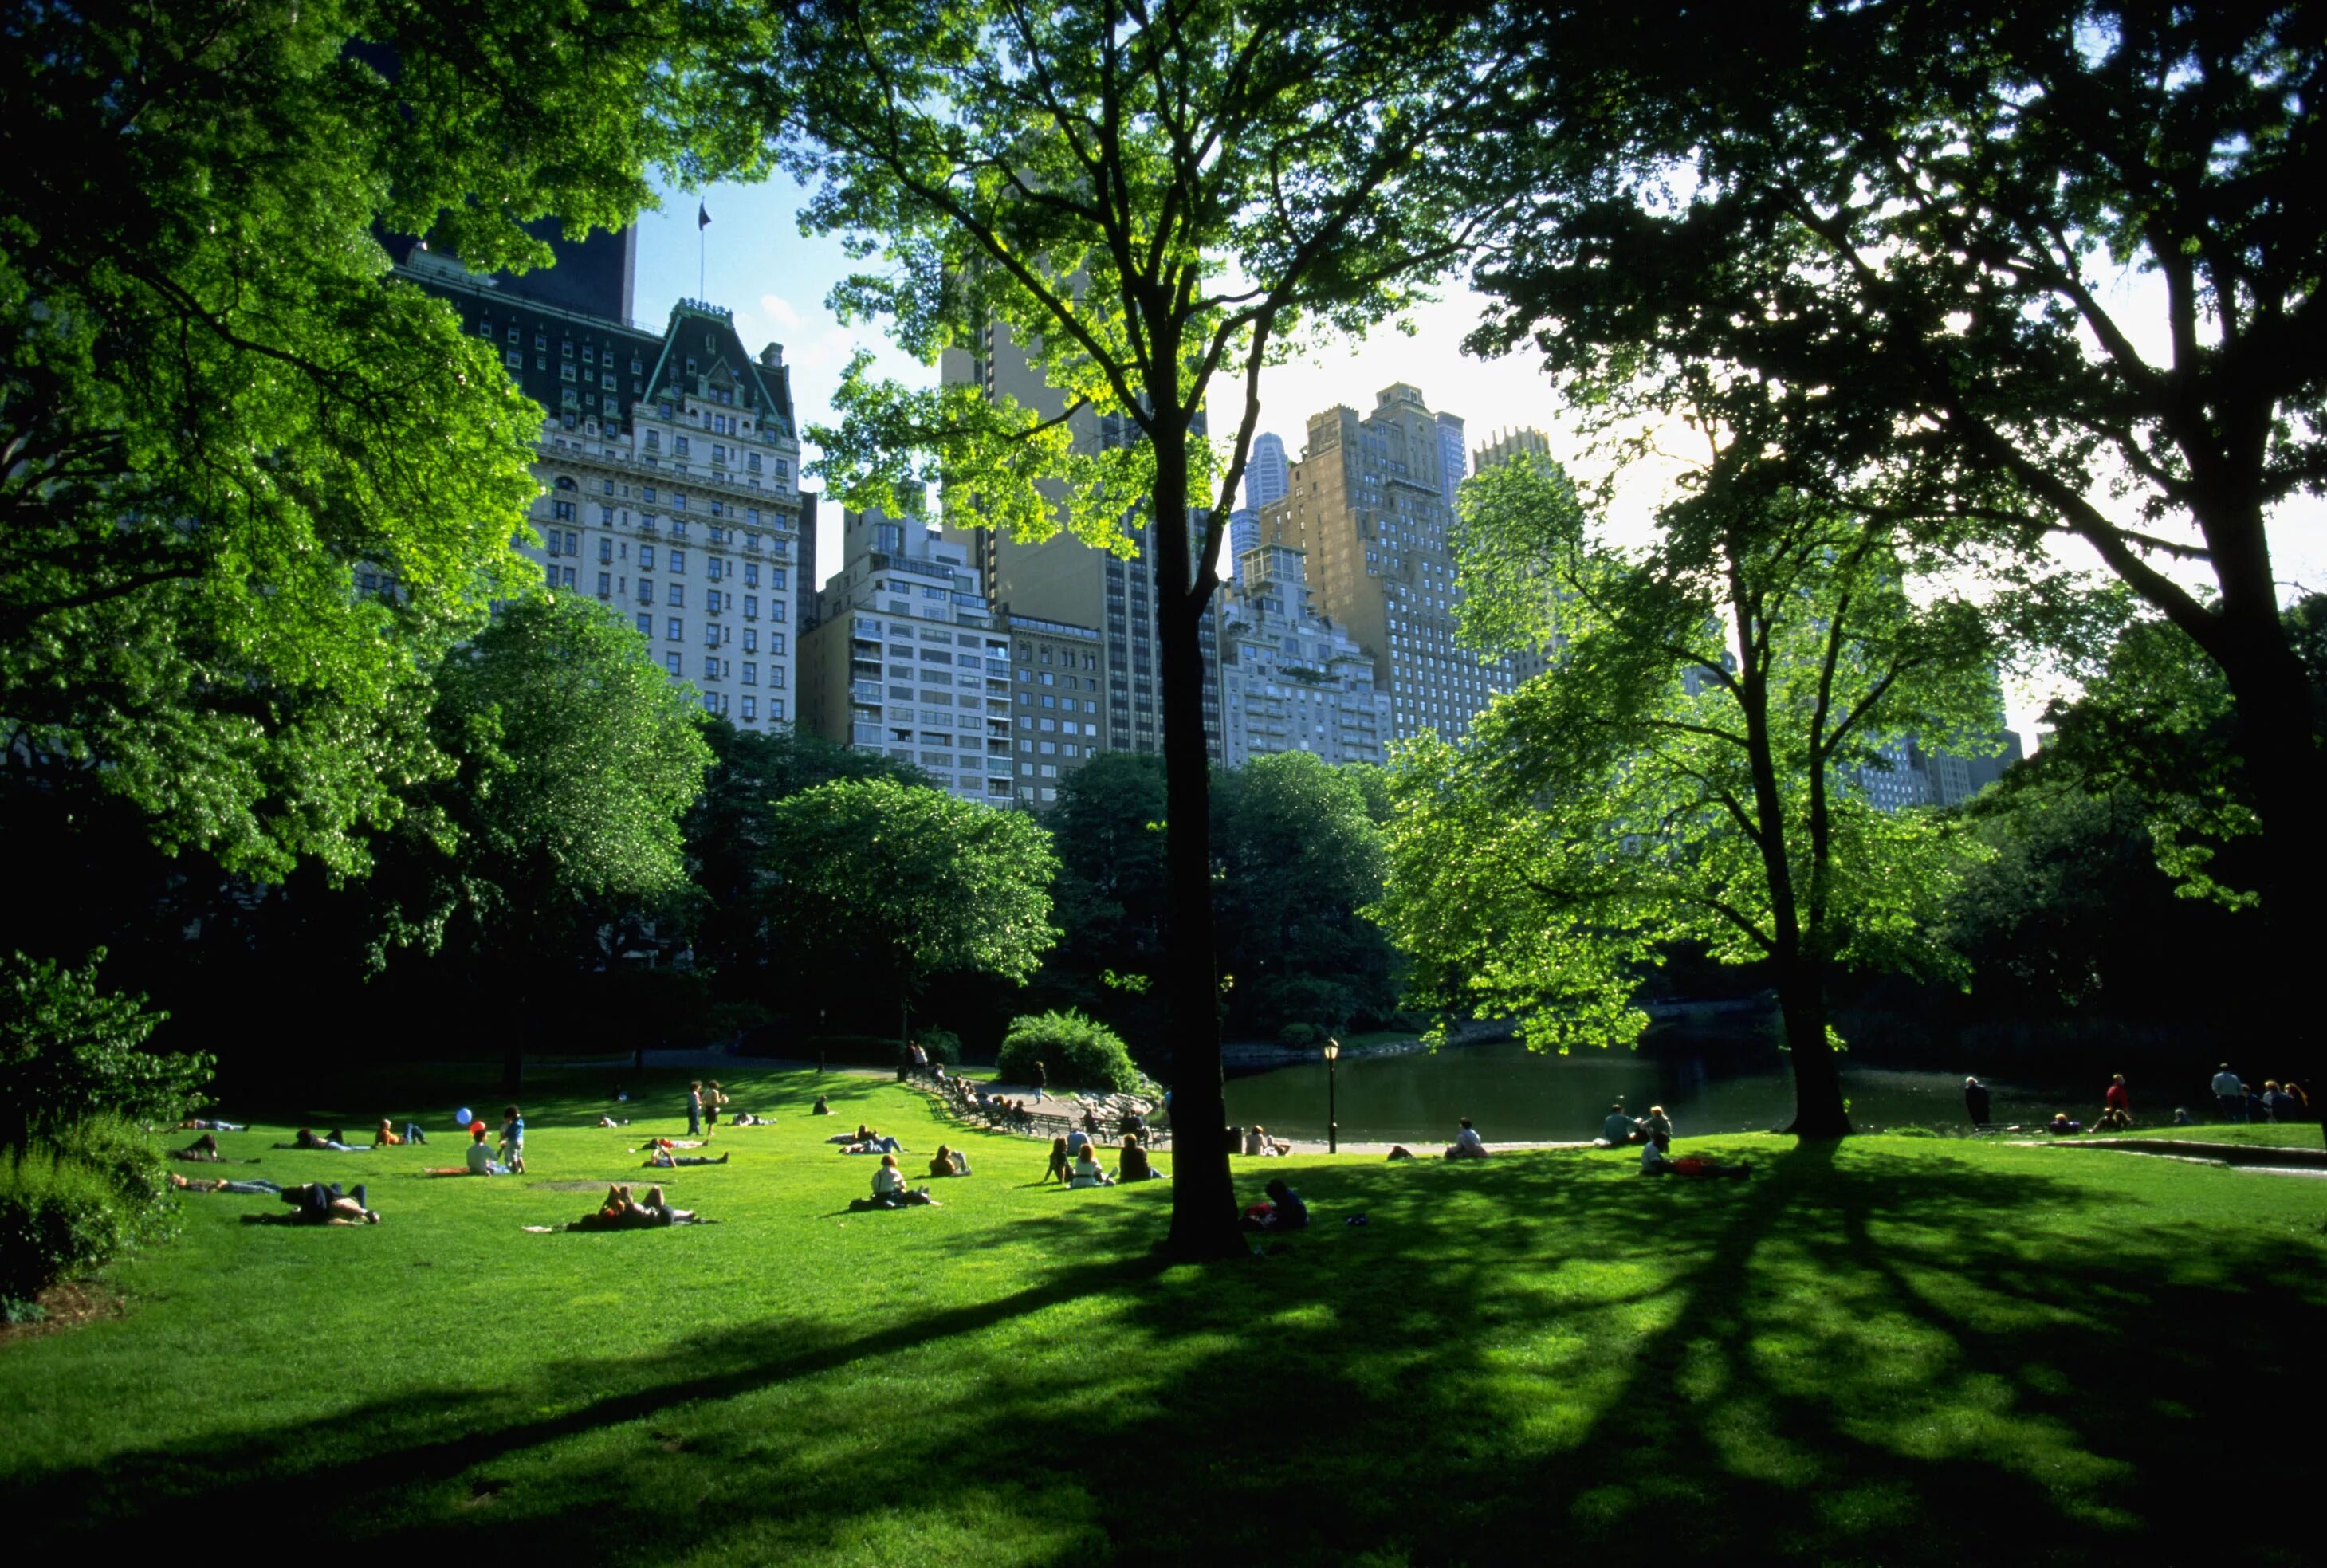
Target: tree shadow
x,y
1851,1356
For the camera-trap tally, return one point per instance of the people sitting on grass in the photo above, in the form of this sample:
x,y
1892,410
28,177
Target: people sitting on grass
x,y
662,1156
329,1141
1657,1128
1282,1210
252,1187
1617,1129
1087,1171
1257,1141
890,1191
948,1161
2062,1123
1467,1144
1135,1165
1060,1162
386,1137
2112,1119
211,1124
480,1159
823,1107
320,1203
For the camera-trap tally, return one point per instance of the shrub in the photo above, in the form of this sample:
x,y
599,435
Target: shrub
x,y
67,1048
942,1044
1075,1051
99,1190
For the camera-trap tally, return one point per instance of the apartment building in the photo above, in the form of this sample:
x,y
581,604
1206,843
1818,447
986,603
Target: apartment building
x,y
904,659
1368,506
1291,680
1058,684
669,465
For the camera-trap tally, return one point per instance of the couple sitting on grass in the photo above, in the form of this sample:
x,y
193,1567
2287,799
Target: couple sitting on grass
x,y
1074,1162
890,1189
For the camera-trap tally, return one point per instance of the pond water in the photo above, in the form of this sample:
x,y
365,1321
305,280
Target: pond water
x,y
1515,1094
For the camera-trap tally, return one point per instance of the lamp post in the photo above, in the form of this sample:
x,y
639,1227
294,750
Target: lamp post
x,y
1332,1086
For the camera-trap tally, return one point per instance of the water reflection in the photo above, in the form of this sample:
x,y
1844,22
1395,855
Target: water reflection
x,y
1515,1094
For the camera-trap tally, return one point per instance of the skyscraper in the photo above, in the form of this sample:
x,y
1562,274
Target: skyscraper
x,y
1451,471
1368,504
667,466
1292,680
1265,475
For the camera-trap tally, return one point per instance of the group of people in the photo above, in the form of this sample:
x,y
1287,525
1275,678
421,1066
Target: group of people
x,y
2237,1100
621,1211
1075,1162
2277,1102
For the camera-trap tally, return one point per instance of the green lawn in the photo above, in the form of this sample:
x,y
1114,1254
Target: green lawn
x,y
1904,1351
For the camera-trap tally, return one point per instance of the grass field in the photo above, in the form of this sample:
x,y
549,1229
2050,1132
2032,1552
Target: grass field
x,y
1904,1351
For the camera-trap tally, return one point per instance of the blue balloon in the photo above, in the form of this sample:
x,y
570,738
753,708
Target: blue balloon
x,y
462,1117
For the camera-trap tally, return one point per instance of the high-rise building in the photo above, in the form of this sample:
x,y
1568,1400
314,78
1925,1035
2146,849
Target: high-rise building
x,y
1244,537
1267,475
1368,506
1061,579
1291,680
667,467
1450,456
1918,775
1057,675
1510,445
904,658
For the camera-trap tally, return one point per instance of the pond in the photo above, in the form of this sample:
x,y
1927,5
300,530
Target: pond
x,y
1515,1094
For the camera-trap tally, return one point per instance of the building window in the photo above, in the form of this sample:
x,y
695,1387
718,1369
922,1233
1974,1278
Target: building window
x,y
750,706
750,672
751,641
671,662
605,585
677,596
677,562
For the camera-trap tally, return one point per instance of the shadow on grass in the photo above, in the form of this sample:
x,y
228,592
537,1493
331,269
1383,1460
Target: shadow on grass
x,y
1863,1357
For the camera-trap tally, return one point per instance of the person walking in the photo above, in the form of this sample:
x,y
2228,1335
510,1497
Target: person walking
x,y
1975,1102
695,1110
1041,1077
2230,1094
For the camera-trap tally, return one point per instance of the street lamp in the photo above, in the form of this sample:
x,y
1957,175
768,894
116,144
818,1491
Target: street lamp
x,y
1332,1084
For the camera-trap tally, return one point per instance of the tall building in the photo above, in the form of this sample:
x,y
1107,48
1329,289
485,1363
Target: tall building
x,y
1367,507
1918,775
904,658
1289,679
1450,456
1057,674
1267,475
667,467
1507,447
1244,537
1061,579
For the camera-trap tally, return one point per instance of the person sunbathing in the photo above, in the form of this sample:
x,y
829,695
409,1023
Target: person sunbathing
x,y
331,1142
320,1203
203,1151
386,1137
875,1145
660,1158
746,1119
948,1161
211,1124
253,1188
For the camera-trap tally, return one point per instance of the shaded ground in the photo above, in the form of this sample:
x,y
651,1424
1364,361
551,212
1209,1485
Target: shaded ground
x,y
1900,1351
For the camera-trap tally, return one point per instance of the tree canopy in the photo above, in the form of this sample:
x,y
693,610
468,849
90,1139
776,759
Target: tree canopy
x,y
1686,769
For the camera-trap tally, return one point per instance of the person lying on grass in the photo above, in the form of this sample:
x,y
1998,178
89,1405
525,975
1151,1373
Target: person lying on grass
x,y
890,1191
1655,1162
220,1184
606,1121
320,1203
621,1211
1136,1166
386,1137
203,1151
660,1158
746,1119
1087,1171
880,1145
948,1161
329,1141
211,1124
1282,1210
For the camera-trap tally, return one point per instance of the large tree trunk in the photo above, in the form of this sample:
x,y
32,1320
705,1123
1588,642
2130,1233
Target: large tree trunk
x,y
1203,1200
1818,1111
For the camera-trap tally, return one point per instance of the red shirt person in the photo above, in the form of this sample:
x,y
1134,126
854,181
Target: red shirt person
x,y
2116,1099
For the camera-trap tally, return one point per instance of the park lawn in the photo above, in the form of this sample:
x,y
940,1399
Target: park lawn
x,y
1899,1350
2276,1134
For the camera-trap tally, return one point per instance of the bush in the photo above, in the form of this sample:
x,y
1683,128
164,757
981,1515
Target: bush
x,y
102,1190
942,1044
68,1046
1076,1053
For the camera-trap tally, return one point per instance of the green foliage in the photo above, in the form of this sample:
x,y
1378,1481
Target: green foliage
x,y
1658,786
1076,1053
1299,854
80,1197
883,883
575,759
69,1049
219,405
1108,829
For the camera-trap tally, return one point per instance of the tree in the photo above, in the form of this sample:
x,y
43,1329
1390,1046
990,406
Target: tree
x,y
69,1050
730,828
576,758
1899,232
1144,197
1109,828
1656,785
1299,856
217,405
891,883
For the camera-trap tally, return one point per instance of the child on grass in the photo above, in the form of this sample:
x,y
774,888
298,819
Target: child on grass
x,y
512,1152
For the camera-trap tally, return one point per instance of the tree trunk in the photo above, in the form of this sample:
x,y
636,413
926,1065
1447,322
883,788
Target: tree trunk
x,y
1818,1110
1203,1199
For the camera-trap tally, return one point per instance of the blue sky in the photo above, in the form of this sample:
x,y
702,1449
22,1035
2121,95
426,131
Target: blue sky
x,y
755,262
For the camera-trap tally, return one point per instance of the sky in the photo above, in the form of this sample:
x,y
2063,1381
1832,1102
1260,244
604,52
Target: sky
x,y
754,260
